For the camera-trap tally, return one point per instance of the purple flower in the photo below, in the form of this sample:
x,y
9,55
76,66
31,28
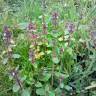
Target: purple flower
x,y
34,36
7,35
32,27
70,27
55,16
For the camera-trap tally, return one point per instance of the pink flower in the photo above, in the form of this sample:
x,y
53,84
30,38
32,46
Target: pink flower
x,y
34,36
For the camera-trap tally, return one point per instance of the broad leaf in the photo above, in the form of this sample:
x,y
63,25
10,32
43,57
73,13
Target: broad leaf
x,y
40,91
16,56
16,87
38,84
55,60
51,93
25,92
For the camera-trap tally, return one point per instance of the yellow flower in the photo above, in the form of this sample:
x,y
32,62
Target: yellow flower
x,y
39,55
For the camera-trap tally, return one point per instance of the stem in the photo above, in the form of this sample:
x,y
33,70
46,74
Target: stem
x,y
52,82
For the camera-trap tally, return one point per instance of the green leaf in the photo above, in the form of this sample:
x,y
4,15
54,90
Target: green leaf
x,y
5,60
68,88
62,85
16,87
38,84
58,74
49,36
25,92
51,93
55,60
69,50
16,56
40,91
58,91
47,87
45,77
11,77
23,25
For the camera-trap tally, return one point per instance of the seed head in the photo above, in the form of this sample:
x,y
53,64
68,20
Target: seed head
x,y
31,56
